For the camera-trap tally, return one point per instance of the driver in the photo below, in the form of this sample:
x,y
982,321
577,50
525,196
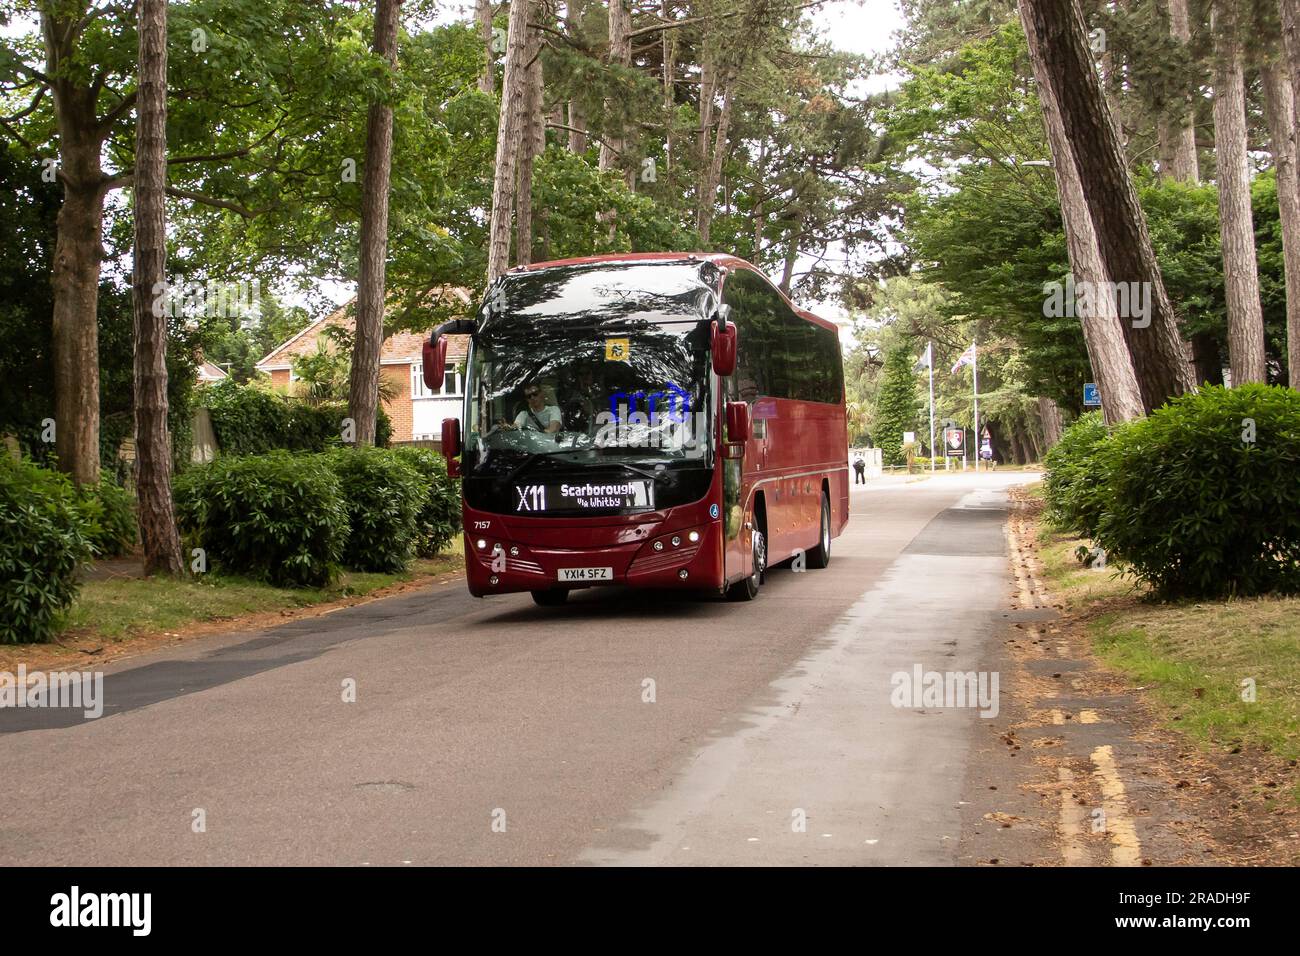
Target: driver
x,y
538,416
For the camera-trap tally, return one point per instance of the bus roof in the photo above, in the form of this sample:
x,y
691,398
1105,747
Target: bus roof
x,y
720,259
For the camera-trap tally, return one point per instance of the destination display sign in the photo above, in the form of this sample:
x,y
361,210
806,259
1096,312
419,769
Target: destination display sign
x,y
585,497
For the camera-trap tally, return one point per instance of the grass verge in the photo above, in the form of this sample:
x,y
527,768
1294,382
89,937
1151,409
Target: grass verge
x,y
123,614
113,609
1202,661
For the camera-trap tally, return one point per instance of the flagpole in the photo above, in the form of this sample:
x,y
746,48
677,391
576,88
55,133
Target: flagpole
x,y
929,351
975,395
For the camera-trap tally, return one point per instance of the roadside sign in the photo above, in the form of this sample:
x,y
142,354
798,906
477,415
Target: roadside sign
x,y
954,442
1091,395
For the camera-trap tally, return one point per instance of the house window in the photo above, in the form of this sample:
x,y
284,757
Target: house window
x,y
451,383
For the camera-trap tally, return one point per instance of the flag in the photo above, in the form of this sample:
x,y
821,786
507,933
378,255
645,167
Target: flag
x,y
925,360
966,358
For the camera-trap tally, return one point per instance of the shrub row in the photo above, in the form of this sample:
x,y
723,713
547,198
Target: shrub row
x,y
294,520
1200,499
44,539
49,528
253,421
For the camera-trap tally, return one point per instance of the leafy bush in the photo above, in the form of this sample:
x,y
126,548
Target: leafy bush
x,y
247,420
42,544
277,517
438,520
252,421
109,511
383,494
1204,498
1075,486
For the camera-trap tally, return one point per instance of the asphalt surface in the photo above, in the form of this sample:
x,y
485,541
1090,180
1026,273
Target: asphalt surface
x,y
627,727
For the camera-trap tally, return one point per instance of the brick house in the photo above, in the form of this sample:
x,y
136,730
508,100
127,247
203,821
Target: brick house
x,y
416,413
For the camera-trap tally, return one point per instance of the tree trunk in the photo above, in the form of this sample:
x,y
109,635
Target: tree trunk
x,y
669,53
1177,123
1280,110
1207,359
1050,415
514,87
1029,441
1291,44
713,170
153,458
1125,244
577,123
532,142
483,20
1103,333
1236,226
620,52
791,254
77,251
363,390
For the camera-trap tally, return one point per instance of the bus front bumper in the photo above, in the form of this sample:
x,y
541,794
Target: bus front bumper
x,y
689,558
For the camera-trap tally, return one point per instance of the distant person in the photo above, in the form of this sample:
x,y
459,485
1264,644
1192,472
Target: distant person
x,y
860,470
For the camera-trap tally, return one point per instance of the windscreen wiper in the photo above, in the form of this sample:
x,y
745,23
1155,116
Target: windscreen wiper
x,y
528,462
653,475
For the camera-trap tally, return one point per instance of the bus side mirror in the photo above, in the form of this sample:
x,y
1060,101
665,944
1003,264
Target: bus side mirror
x,y
739,427
451,445
722,342
435,361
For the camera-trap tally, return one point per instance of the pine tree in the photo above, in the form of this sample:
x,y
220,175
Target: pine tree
x,y
897,406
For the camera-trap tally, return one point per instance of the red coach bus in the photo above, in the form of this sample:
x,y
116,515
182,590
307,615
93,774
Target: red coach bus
x,y
656,420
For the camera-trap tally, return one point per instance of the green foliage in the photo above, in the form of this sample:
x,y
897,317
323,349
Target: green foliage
x,y
1195,507
109,513
43,543
279,517
897,407
383,494
438,520
1075,487
248,420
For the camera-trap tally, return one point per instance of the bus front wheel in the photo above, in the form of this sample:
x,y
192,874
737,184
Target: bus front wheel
x,y
747,589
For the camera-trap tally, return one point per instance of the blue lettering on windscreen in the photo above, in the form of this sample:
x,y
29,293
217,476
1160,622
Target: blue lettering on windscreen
x,y
672,403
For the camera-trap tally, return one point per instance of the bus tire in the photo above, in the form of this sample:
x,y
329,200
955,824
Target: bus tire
x,y
820,556
550,597
747,589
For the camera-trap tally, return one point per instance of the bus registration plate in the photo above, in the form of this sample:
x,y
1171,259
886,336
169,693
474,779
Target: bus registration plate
x,y
586,574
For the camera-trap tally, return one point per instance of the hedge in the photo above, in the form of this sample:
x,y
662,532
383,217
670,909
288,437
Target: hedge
x,y
43,543
109,511
382,494
252,421
277,517
1203,497
1074,488
438,520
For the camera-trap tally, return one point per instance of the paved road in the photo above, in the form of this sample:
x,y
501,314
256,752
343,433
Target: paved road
x,y
476,716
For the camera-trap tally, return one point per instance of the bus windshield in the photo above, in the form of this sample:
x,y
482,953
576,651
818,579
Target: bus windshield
x,y
624,392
